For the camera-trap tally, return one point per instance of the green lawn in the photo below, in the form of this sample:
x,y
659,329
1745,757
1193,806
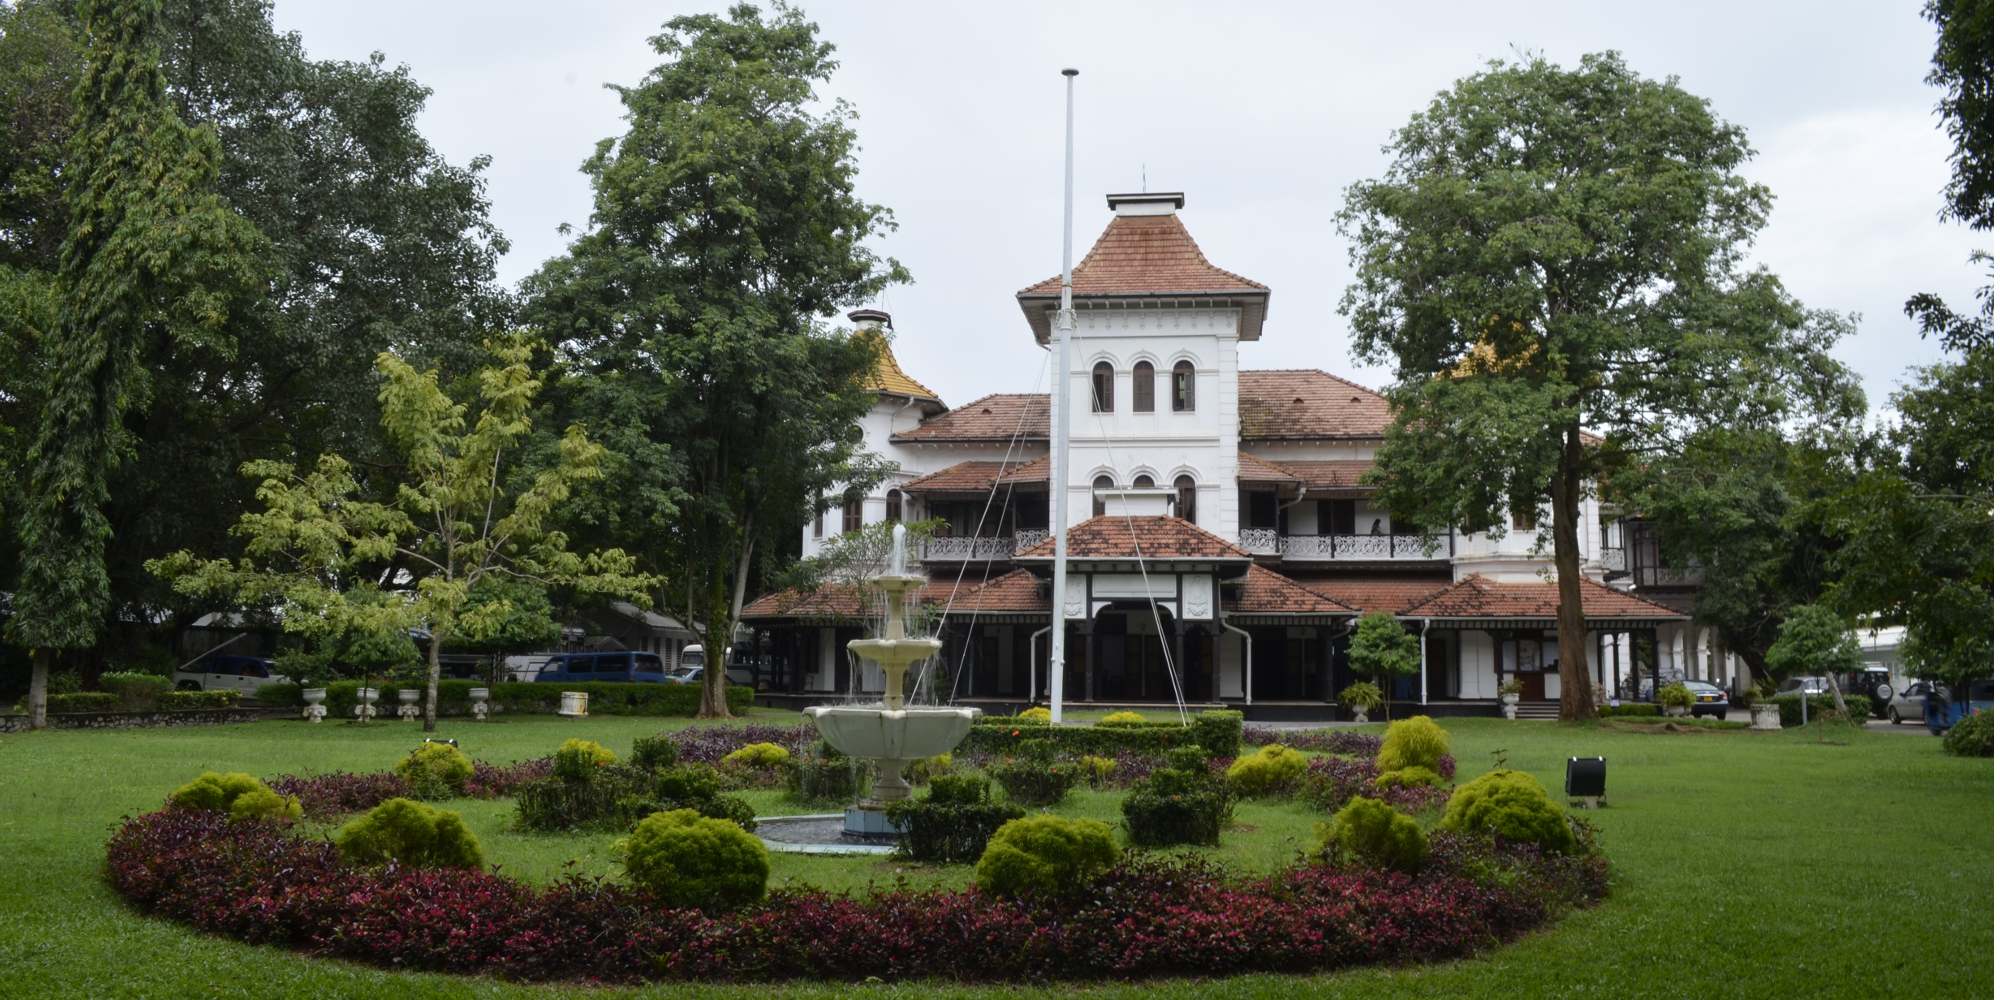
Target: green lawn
x,y
1747,864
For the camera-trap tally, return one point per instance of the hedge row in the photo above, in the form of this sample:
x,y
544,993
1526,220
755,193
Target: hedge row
x,y
1629,709
87,702
1859,708
455,697
1219,732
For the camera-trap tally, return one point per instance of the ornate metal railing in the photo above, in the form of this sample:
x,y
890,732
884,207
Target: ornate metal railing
x,y
960,549
1613,558
1029,538
1363,548
1258,541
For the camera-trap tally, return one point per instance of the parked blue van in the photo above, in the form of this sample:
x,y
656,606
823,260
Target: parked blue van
x,y
573,668
1945,708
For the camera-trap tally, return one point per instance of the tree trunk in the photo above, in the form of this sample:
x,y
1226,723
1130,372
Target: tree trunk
x,y
431,685
38,689
715,645
1571,662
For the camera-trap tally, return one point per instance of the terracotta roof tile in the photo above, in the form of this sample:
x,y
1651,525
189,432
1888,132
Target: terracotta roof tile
x,y
1292,405
1251,469
1478,597
1263,591
1330,474
1031,473
1017,592
849,601
888,376
977,476
1153,537
1145,255
1375,593
1000,417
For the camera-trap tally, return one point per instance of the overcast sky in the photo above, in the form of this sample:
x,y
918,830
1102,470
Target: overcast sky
x,y
1262,113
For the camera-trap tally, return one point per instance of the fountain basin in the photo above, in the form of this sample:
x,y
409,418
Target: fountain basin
x,y
875,733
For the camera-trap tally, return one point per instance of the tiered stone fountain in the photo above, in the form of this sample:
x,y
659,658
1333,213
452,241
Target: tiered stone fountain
x,y
891,734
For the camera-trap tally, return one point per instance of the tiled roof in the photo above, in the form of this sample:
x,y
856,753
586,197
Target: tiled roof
x,y
1000,417
1017,592
1145,255
1251,469
1153,537
1032,473
1265,592
1291,405
974,477
888,376
1375,593
1331,474
1478,597
845,600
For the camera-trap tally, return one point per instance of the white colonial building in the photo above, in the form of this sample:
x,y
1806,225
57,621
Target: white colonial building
x,y
1222,541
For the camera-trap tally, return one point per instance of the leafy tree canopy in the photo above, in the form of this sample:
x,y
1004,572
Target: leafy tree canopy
x,y
1814,641
1381,646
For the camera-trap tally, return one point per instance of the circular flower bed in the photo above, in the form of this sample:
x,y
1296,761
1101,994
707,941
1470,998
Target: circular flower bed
x,y
1148,916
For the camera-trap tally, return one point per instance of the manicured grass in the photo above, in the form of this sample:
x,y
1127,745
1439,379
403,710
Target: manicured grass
x,y
1747,864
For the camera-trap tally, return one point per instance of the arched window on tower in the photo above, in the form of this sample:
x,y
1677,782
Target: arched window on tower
x,y
892,511
1097,488
1142,482
1183,387
850,513
1101,380
1184,498
1142,387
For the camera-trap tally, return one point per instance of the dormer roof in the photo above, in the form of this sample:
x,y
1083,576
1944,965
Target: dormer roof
x,y
889,379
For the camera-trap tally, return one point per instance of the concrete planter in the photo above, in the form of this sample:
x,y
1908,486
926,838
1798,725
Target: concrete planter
x,y
1675,711
478,698
575,704
1360,714
1764,717
315,699
1509,704
364,702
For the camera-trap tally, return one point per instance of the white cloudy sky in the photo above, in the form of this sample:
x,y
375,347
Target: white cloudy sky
x,y
1262,113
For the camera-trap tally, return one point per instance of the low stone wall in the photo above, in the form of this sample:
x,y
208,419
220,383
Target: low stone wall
x,y
137,720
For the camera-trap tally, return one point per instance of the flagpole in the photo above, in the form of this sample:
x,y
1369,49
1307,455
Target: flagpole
x,y
1059,412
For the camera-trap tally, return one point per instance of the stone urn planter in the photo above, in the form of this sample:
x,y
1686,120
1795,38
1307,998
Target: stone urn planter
x,y
364,703
1676,711
1360,714
575,704
1764,716
315,699
1509,704
478,697
408,709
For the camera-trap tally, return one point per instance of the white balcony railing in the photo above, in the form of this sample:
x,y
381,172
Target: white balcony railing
x,y
1030,537
962,549
1258,541
1363,548
1612,557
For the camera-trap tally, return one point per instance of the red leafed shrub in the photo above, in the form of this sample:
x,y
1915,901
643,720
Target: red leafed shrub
x,y
709,744
1342,741
327,796
498,781
1145,918
1331,781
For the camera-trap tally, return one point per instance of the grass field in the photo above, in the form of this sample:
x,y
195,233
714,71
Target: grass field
x,y
1746,864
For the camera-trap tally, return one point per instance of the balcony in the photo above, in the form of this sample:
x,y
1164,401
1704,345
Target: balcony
x,y
1612,558
1345,548
979,549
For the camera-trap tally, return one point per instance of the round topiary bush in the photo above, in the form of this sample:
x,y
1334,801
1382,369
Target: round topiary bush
x,y
1409,777
687,860
409,833
266,806
1971,736
577,760
1369,832
1045,856
435,771
1037,714
651,753
759,756
1272,770
214,791
1412,742
1510,805
1117,719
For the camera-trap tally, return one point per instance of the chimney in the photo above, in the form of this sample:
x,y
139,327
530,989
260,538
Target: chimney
x,y
870,319
1146,203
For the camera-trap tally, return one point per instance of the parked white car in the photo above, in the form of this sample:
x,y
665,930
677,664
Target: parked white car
x,y
1909,704
222,672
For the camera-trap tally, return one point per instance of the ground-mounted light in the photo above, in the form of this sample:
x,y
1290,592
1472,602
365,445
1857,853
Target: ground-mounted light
x,y
1583,781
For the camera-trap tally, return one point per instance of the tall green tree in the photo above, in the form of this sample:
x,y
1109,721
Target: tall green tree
x,y
1555,252
1383,648
150,254
370,242
1963,65
725,223
456,528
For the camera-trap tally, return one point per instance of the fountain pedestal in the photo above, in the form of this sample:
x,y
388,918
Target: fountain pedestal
x,y
890,734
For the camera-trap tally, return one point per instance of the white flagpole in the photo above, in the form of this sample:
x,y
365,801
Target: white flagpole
x,y
1059,412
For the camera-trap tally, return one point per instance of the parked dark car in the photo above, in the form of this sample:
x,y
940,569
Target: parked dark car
x,y
573,668
1708,699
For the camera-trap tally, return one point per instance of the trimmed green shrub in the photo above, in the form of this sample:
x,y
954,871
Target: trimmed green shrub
x,y
1123,719
1676,695
653,753
1824,709
1367,831
1409,777
1971,736
1036,777
280,695
1510,805
536,698
1097,771
758,755
1037,715
922,770
688,860
1630,709
1219,731
1272,770
181,701
952,821
1181,803
821,774
81,701
1045,856
266,806
214,791
409,833
135,692
611,798
435,771
1412,742
577,760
